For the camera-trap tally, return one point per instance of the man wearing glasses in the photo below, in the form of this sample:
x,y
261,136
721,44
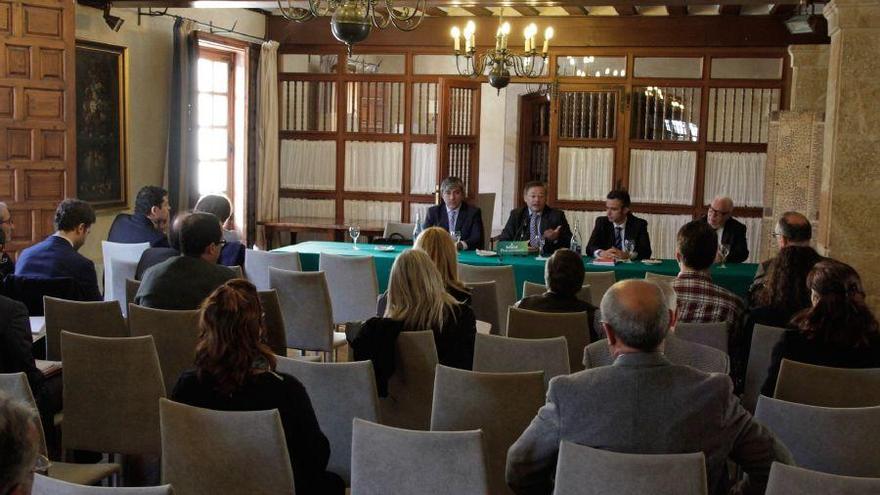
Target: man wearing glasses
x,y
20,457
7,266
728,229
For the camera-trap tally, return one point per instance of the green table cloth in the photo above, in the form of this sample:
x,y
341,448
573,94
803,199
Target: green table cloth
x,y
736,277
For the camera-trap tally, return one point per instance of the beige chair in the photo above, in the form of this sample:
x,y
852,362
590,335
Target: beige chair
x,y
307,310
257,264
484,302
677,350
710,334
505,286
792,480
497,354
273,320
44,485
582,470
175,334
131,290
500,404
764,339
122,271
533,289
100,319
326,383
207,452
825,386
16,386
486,203
526,324
114,279
840,441
386,460
656,277
599,283
111,392
403,229
353,287
411,387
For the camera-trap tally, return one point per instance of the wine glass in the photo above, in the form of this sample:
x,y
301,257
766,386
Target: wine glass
x,y
354,231
629,247
724,250
456,236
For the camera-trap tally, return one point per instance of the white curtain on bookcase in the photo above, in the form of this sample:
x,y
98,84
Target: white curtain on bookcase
x,y
585,174
585,221
754,233
373,166
665,177
663,230
299,207
419,210
737,175
371,211
424,168
308,164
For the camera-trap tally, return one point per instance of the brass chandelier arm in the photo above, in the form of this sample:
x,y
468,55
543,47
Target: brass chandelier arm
x,y
405,20
296,14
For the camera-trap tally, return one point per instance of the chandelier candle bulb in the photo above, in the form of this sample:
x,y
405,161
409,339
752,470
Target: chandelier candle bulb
x,y
548,35
455,39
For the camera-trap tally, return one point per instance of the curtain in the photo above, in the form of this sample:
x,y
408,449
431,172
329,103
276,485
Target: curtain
x,y
754,232
663,230
181,159
585,220
308,164
371,211
585,173
424,168
299,207
373,166
737,175
421,209
267,136
665,177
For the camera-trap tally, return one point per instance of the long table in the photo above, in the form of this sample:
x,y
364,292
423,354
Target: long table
x,y
736,277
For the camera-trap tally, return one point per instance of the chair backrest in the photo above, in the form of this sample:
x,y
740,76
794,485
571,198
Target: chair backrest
x,y
236,271
273,320
831,440
677,350
656,277
411,387
599,283
533,289
131,290
326,383
526,324
793,480
400,228
114,281
825,386
484,302
99,319
306,308
111,392
353,287
582,470
175,334
44,485
208,452
257,264
710,334
392,460
764,339
31,290
505,286
500,404
122,271
16,386
498,354
486,203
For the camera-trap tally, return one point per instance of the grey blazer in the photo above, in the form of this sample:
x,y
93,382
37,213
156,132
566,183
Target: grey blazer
x,y
676,350
644,404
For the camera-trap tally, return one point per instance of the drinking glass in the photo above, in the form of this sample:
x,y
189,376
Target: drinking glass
x,y
724,250
354,231
630,248
456,236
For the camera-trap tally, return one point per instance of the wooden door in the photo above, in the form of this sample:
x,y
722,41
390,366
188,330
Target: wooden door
x,y
458,135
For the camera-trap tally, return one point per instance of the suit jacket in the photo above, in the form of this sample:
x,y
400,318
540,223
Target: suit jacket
x,y
132,229
232,254
643,404
55,257
16,353
469,222
734,235
182,282
636,230
517,227
152,257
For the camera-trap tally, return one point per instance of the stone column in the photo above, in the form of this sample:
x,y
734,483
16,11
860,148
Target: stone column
x,y
809,77
849,212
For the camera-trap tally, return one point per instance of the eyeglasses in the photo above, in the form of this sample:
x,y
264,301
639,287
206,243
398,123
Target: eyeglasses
x,y
10,221
719,212
222,242
775,235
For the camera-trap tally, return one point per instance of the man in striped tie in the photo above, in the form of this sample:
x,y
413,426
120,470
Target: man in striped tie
x,y
536,222
456,215
619,225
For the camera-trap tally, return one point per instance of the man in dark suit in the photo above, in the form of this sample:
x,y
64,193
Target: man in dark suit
x,y
729,230
455,215
149,221
537,220
643,404
616,227
57,256
155,255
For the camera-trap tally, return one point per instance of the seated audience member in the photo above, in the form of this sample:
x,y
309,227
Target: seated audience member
x,y
619,225
838,330
149,221
728,229
235,371
57,256
7,265
699,299
417,300
183,282
564,276
537,220
220,206
792,229
642,405
155,255
455,215
19,447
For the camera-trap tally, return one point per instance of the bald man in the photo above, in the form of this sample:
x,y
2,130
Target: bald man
x,y
728,229
792,229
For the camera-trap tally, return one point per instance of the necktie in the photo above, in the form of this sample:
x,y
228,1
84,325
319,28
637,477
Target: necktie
x,y
453,214
534,223
618,237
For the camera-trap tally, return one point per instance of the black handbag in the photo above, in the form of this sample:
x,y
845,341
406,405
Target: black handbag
x,y
395,239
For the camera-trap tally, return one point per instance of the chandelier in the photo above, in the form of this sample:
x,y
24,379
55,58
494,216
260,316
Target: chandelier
x,y
352,20
500,60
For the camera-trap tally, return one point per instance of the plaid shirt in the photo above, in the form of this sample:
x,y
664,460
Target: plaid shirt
x,y
702,301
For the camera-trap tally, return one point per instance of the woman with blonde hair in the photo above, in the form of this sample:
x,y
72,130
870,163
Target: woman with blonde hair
x,y
440,247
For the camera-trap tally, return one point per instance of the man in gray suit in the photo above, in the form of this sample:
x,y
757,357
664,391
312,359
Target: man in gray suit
x,y
643,404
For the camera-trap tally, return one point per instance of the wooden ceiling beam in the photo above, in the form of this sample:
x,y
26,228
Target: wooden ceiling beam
x,y
626,10
435,12
573,10
565,4
677,10
730,9
527,11
479,11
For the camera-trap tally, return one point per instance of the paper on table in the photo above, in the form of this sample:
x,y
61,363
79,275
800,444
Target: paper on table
x,y
48,368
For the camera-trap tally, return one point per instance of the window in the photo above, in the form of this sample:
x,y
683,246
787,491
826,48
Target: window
x,y
216,109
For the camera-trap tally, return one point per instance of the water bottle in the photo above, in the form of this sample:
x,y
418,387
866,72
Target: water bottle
x,y
576,239
418,228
